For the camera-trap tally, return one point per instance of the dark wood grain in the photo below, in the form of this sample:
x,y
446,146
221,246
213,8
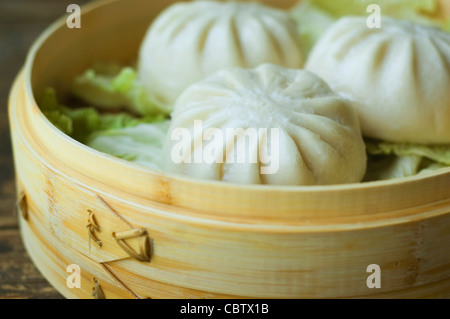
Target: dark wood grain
x,y
21,21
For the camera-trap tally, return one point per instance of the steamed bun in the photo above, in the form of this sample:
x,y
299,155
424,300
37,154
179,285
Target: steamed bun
x,y
190,40
267,125
398,77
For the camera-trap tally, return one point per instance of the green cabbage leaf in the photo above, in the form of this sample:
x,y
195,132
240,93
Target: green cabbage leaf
x,y
313,17
141,144
112,87
394,160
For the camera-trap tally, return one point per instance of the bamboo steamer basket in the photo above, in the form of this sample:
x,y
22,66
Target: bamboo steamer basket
x,y
138,233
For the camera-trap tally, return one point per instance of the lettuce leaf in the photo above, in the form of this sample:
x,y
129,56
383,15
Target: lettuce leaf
x,y
436,153
112,87
80,123
55,112
141,144
399,8
315,16
312,22
393,160
135,139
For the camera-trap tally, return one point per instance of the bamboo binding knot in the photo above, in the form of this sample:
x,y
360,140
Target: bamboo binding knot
x,y
22,206
144,254
97,291
93,227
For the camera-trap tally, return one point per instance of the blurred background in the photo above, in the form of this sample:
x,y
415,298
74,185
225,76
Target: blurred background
x,y
21,22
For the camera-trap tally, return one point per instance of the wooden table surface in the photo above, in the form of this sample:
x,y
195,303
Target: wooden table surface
x,y
21,21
